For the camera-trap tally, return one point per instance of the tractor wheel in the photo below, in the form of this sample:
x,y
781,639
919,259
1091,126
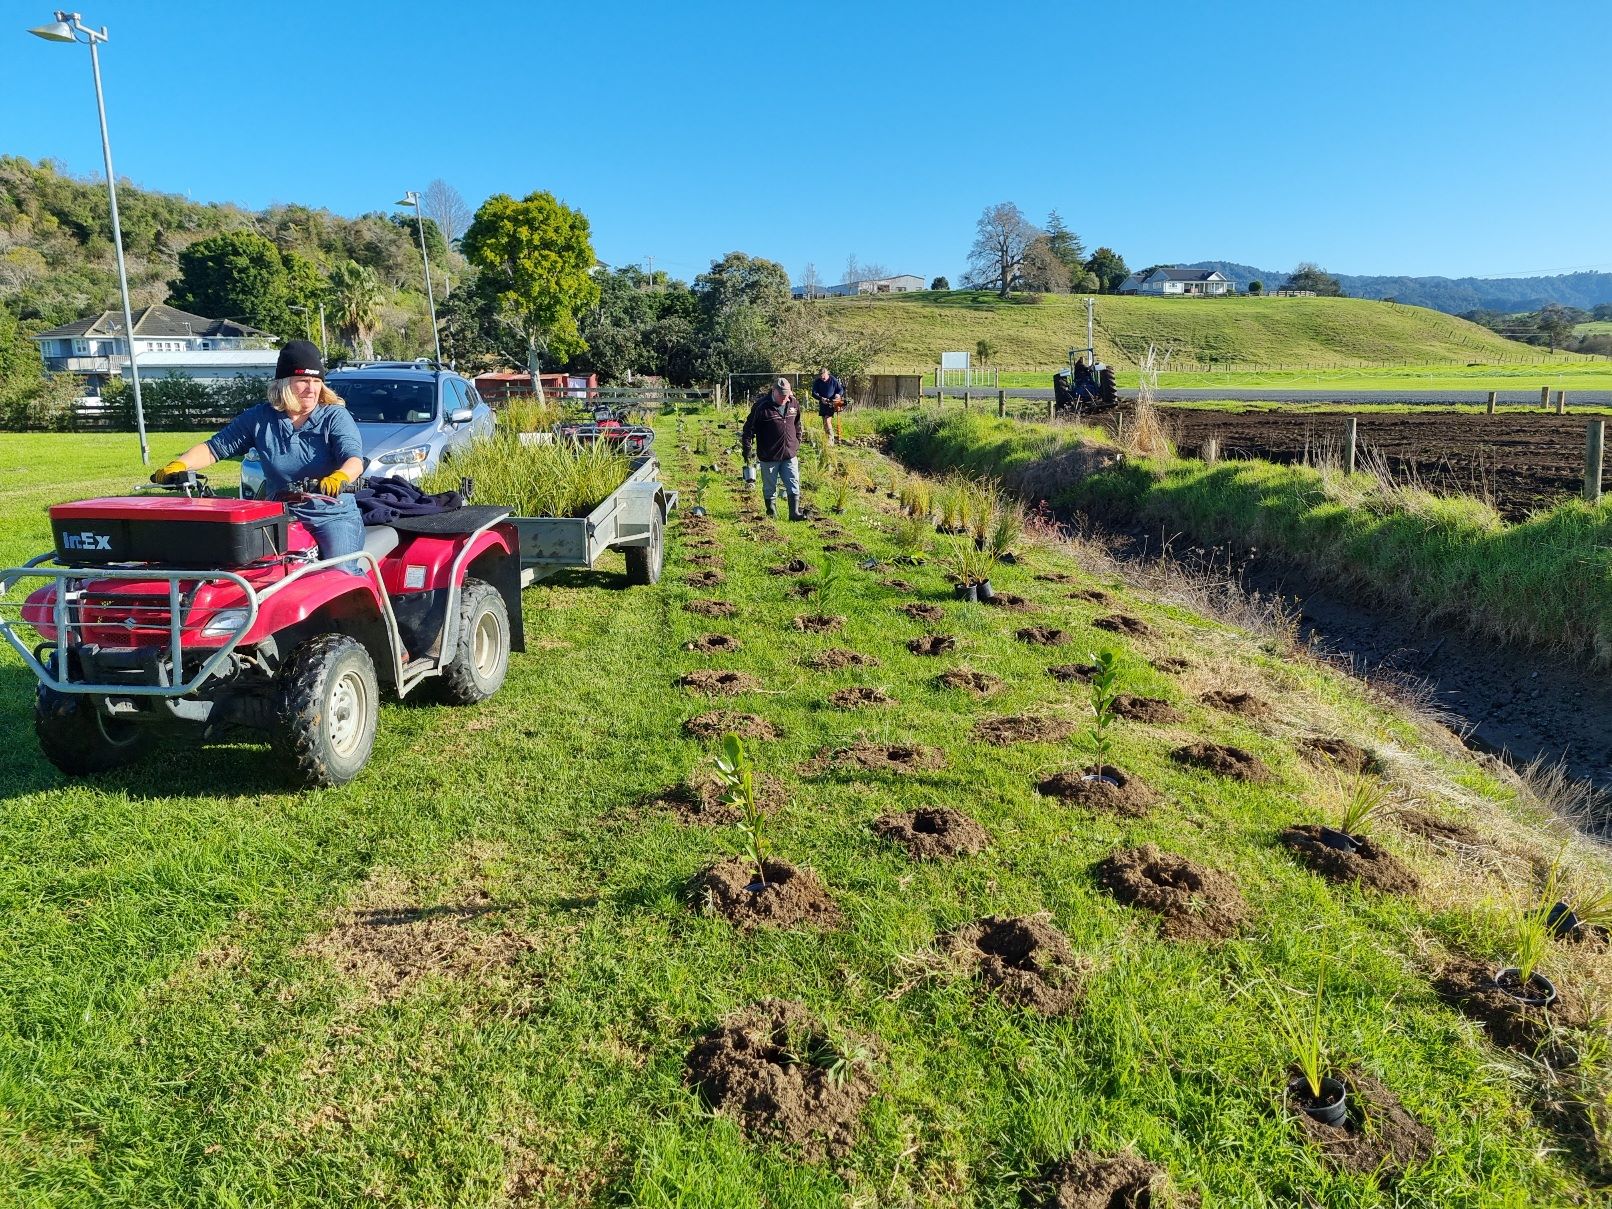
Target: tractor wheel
x,y
480,647
644,562
80,739
326,701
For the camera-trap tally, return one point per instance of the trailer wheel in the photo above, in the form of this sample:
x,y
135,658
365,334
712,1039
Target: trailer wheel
x,y
78,738
326,700
644,562
481,646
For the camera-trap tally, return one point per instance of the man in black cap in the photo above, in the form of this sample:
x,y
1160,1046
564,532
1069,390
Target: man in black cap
x,y
302,432
773,430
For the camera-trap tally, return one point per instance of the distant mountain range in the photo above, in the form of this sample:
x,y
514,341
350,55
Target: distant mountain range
x,y
1453,295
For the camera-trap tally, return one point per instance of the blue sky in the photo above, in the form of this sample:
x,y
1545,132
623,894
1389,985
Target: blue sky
x,y
1417,138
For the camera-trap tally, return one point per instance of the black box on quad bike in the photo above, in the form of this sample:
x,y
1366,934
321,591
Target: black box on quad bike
x,y
200,533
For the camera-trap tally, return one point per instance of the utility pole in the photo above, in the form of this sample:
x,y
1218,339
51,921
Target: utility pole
x,y
1091,352
651,261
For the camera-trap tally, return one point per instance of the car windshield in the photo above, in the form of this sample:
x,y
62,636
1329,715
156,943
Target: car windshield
x,y
386,401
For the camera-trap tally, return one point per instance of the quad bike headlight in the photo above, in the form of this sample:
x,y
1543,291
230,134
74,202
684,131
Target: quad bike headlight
x,y
224,622
414,455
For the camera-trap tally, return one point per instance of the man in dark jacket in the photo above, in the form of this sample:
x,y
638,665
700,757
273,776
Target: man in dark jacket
x,y
830,396
773,431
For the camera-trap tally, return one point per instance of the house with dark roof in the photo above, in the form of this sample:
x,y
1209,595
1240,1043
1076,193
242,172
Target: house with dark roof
x,y
166,340
1172,280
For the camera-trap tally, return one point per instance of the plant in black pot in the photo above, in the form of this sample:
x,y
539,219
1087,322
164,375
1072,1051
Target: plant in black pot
x,y
970,570
1364,797
911,539
1531,933
1321,1096
700,489
736,775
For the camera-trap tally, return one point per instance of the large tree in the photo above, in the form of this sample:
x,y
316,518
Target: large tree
x,y
1043,272
443,206
236,275
1108,267
738,279
1309,276
536,257
1002,237
357,297
1065,245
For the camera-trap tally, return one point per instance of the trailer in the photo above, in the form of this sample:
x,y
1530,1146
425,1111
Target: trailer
x,y
632,518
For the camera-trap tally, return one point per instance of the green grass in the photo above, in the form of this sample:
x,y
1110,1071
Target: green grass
x,y
1560,374
166,1038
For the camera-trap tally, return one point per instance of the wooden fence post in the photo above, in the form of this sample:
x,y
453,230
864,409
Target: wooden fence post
x,y
1052,409
1001,404
968,397
1544,397
1561,402
1594,447
1493,395
1350,431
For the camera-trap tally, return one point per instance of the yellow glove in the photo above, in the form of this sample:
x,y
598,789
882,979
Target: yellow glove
x,y
332,484
173,469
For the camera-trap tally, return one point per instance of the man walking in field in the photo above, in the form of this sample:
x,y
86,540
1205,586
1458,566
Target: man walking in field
x,y
773,430
830,396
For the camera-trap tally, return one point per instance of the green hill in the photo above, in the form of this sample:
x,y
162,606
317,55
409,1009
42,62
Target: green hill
x,y
1037,332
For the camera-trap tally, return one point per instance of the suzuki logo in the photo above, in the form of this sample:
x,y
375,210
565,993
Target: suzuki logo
x,y
87,541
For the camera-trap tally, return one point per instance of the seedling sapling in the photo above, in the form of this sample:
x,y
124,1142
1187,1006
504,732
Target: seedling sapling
x,y
1366,798
736,775
829,587
1104,688
1302,1032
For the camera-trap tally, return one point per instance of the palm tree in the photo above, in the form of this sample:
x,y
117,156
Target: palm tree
x,y
356,292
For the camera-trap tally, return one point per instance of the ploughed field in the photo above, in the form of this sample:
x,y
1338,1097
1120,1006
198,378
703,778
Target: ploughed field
x,y
1517,461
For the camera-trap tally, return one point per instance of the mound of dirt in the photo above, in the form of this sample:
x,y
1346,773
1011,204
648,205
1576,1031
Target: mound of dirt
x,y
860,697
933,833
843,548
1172,665
1468,986
756,1068
1146,709
1192,903
1025,961
715,683
711,608
1091,596
818,623
705,579
1010,602
702,543
1340,753
977,683
802,591
795,566
1056,577
1431,827
877,757
1372,865
1223,761
1107,1181
1379,1134
719,722
923,612
1040,635
1072,671
1022,728
897,585
1123,623
838,657
1117,792
703,799
707,643
790,897
932,644
704,560
1244,705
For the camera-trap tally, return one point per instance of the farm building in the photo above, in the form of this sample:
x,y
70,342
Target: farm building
x,y
1178,281
497,387
900,284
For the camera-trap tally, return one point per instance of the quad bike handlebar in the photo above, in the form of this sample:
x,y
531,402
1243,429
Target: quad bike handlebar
x,y
193,485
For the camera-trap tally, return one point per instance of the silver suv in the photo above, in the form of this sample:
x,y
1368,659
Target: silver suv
x,y
411,416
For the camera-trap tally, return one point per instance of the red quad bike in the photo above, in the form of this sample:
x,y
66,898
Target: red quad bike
x,y
611,425
175,609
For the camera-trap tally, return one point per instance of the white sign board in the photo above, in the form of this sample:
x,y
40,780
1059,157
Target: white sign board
x,y
953,360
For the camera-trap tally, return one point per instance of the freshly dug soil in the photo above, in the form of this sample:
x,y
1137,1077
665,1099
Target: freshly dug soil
x,y
1131,798
1244,705
932,644
704,560
977,683
1372,865
1022,728
1431,827
1091,596
1328,749
1192,903
1145,709
793,897
705,579
1072,671
715,683
718,722
1107,1181
860,697
702,543
923,612
1026,961
817,623
877,757
1123,623
897,585
701,799
750,1069
795,566
843,548
838,657
804,590
1468,986
1011,602
711,608
1055,577
707,643
933,833
1039,635
1391,1142
1223,761
1172,665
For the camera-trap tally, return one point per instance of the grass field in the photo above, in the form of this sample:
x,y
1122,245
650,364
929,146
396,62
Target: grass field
x,y
1559,375
472,976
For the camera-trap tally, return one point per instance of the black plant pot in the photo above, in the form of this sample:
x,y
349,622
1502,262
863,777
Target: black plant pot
x,y
1562,920
697,510
757,887
979,543
1099,778
1341,840
1331,1107
1537,992
984,590
1008,557
969,592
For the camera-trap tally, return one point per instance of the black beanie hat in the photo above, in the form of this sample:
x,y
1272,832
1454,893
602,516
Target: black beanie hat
x,y
300,359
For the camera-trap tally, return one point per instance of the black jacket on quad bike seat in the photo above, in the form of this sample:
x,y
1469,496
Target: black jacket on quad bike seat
x,y
773,430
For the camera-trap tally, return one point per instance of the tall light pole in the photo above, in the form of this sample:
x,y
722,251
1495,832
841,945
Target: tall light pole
x,y
411,198
69,27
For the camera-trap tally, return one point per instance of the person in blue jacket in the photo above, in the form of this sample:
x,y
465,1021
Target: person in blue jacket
x,y
830,396
303,431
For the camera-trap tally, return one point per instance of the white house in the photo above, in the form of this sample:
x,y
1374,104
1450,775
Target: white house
x,y
1177,281
900,284
190,345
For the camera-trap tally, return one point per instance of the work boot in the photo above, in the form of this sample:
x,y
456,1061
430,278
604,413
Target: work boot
x,y
795,514
772,507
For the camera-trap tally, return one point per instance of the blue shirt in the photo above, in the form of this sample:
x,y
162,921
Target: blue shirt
x,y
327,438
826,392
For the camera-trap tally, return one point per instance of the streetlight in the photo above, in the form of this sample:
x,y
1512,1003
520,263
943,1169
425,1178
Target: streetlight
x,y
411,198
68,27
